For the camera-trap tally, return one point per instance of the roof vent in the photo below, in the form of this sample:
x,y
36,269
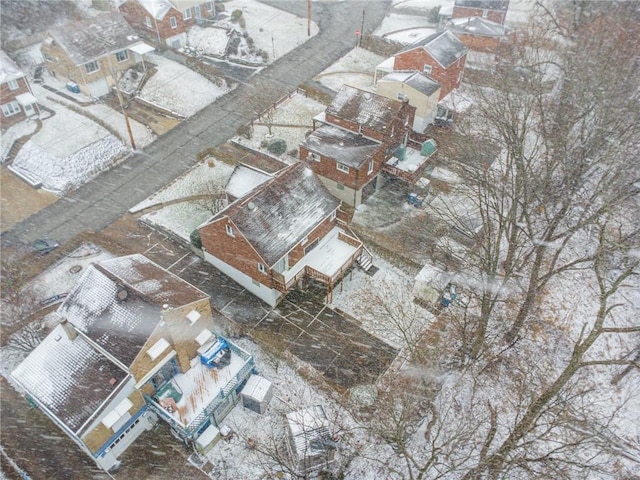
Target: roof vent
x,y
367,96
122,294
251,206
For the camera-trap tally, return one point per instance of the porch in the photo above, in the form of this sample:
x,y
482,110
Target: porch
x,y
327,262
190,399
409,162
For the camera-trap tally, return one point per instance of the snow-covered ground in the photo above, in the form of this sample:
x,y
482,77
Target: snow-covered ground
x,y
178,89
356,69
404,29
292,119
274,31
209,41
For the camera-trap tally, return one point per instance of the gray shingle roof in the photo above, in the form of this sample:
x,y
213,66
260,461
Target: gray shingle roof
x,y
341,145
90,39
374,111
443,46
501,5
70,377
478,26
118,303
283,211
416,80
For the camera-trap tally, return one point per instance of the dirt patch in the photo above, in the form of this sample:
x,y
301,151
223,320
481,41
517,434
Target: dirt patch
x,y
159,123
19,200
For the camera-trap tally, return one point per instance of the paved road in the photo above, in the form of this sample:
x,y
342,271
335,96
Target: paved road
x,y
107,197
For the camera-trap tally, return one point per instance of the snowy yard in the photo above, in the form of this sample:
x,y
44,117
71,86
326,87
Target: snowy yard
x,y
404,29
182,218
291,120
210,41
178,89
274,31
356,69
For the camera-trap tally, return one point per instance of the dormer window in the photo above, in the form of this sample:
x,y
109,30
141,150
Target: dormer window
x,y
229,230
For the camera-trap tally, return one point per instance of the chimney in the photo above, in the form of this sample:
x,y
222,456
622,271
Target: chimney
x,y
69,329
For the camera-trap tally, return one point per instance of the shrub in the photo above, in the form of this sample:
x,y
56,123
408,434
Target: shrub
x,y
246,131
236,15
264,54
277,146
293,152
264,144
196,241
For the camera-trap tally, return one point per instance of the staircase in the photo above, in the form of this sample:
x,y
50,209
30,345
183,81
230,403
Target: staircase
x,y
20,142
365,260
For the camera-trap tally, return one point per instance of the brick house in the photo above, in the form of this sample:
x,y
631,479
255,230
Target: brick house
x,y
131,334
421,91
280,233
16,97
479,34
358,138
440,56
492,10
91,52
166,21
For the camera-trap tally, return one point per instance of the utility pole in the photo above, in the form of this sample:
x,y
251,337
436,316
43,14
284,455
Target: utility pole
x,y
124,111
308,18
361,30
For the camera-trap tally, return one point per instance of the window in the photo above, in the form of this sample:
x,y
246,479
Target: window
x,y
370,169
122,56
210,6
147,21
229,230
401,96
92,67
13,84
173,22
342,167
427,69
485,13
10,108
186,14
262,268
314,156
196,12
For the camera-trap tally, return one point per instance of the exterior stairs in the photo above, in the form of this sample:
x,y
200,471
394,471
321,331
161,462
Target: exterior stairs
x,y
365,260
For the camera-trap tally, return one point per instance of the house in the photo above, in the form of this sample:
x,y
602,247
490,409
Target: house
x,y
310,443
92,52
358,138
492,10
282,232
479,34
166,21
440,56
421,91
16,97
135,344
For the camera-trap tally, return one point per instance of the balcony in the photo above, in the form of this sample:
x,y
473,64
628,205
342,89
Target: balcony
x,y
408,163
327,262
187,402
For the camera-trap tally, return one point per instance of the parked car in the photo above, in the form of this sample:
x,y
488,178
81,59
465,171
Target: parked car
x,y
45,245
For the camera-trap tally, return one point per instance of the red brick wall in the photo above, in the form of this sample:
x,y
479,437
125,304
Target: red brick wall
x,y
497,16
135,16
479,44
417,58
320,231
235,251
7,96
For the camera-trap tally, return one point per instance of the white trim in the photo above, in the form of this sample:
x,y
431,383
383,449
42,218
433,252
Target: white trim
x,y
13,84
186,14
342,167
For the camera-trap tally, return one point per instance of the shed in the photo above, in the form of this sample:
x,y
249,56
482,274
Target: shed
x,y
310,443
257,394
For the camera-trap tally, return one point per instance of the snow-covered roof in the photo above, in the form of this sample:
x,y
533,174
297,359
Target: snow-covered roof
x,y
478,26
501,5
275,217
159,8
416,80
244,179
341,145
365,108
92,38
8,68
118,303
309,429
444,47
71,378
